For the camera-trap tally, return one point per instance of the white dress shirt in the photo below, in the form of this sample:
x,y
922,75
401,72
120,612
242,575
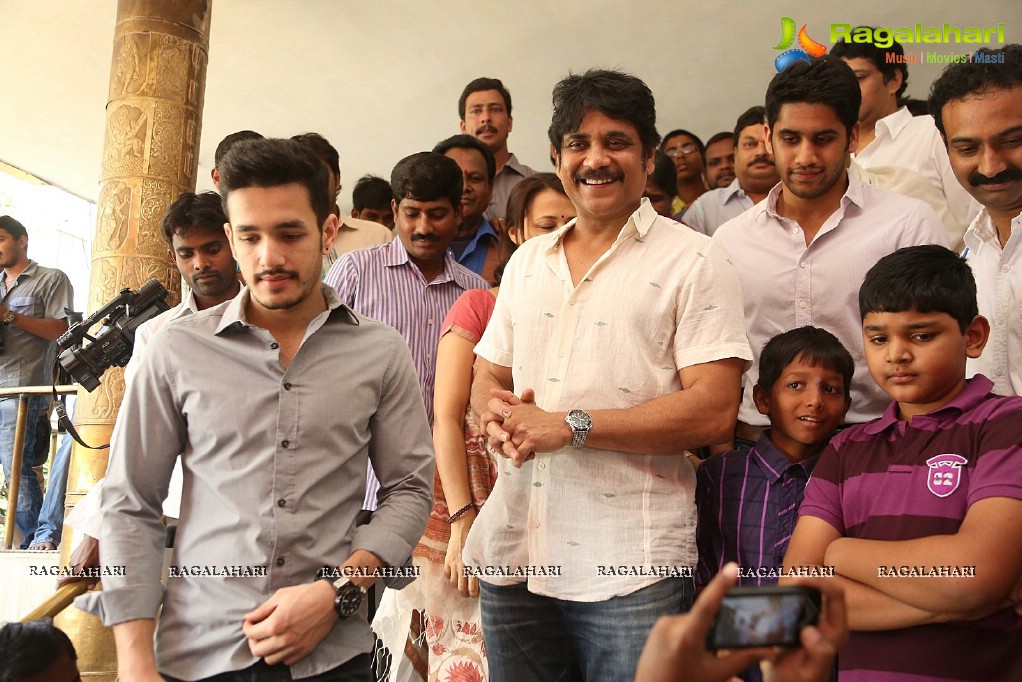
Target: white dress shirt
x,y
788,284
662,298
714,208
998,275
914,142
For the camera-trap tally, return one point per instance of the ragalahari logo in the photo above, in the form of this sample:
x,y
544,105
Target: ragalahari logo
x,y
810,49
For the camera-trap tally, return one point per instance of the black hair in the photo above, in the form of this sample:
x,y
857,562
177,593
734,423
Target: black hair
x,y
929,278
916,107
469,142
665,174
371,192
681,131
427,176
750,117
322,148
613,93
827,80
30,648
482,85
723,135
888,60
815,346
192,211
984,73
14,227
231,140
272,162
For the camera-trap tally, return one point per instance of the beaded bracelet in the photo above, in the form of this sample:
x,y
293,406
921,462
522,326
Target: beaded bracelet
x,y
461,512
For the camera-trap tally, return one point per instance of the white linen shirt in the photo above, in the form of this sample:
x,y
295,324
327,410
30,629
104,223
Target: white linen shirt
x,y
998,275
914,142
788,284
714,208
662,298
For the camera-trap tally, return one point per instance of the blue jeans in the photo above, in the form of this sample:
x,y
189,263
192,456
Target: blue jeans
x,y
30,495
543,639
51,516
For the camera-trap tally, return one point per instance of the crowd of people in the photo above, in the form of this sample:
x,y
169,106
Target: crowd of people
x,y
788,355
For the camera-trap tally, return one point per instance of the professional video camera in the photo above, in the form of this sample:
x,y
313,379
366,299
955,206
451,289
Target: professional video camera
x,y
113,344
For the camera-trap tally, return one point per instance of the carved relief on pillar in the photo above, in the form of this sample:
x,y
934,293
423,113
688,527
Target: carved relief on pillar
x,y
157,195
126,132
113,218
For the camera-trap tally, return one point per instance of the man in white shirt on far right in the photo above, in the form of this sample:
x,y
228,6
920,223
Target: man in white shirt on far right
x,y
977,107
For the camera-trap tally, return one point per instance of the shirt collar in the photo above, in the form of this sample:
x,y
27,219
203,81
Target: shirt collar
x,y
29,270
733,190
485,230
396,255
514,165
637,226
234,319
976,390
896,122
852,195
773,462
982,231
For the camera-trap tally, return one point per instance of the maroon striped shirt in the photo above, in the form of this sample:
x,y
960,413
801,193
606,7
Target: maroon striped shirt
x,y
891,480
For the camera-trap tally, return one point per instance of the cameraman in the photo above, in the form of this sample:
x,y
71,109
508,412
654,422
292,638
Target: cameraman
x,y
33,300
193,227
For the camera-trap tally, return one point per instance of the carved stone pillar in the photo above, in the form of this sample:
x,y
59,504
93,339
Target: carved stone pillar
x,y
150,156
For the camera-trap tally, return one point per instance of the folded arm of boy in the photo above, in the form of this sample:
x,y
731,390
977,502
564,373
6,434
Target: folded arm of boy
x,y
989,540
868,607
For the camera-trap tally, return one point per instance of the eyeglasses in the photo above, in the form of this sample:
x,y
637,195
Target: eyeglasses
x,y
683,149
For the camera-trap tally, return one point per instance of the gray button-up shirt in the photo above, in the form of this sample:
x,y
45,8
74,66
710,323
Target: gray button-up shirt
x,y
38,292
274,474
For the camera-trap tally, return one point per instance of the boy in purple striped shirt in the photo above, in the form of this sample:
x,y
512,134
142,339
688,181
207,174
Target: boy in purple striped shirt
x,y
748,500
920,511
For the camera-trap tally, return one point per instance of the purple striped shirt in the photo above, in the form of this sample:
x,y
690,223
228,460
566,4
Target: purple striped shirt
x,y
383,283
891,480
748,505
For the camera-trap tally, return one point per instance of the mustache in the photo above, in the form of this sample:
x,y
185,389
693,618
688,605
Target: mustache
x,y
485,129
762,159
274,272
1007,175
599,174
417,237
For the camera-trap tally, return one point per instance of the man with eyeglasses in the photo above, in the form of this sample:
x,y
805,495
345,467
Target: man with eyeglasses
x,y
687,152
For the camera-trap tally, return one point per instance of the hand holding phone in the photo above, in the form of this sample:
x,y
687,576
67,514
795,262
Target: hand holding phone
x,y
770,616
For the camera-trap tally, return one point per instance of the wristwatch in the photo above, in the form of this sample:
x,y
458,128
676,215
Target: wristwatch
x,y
8,319
348,599
580,423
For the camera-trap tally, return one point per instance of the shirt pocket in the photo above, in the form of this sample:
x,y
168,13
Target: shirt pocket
x,y
25,305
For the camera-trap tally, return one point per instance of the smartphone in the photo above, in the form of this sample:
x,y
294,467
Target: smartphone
x,y
764,616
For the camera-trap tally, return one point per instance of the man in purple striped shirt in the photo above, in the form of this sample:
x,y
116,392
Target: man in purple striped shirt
x,y
748,500
411,282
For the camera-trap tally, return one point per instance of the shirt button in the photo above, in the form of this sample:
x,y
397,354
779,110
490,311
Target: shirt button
x,y
287,386
802,264
541,466
274,345
430,322
282,502
802,304
535,524
1005,268
794,230
285,444
280,561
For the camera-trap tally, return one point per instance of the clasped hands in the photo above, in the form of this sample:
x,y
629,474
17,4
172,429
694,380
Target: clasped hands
x,y
517,429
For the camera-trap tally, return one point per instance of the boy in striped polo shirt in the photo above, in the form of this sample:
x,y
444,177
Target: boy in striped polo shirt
x,y
920,511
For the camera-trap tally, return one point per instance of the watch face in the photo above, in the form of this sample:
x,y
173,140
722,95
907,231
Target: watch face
x,y
349,598
578,419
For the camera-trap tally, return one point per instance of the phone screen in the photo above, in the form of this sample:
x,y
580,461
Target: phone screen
x,y
764,616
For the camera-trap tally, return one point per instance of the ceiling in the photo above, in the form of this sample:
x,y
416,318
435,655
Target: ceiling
x,y
381,78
